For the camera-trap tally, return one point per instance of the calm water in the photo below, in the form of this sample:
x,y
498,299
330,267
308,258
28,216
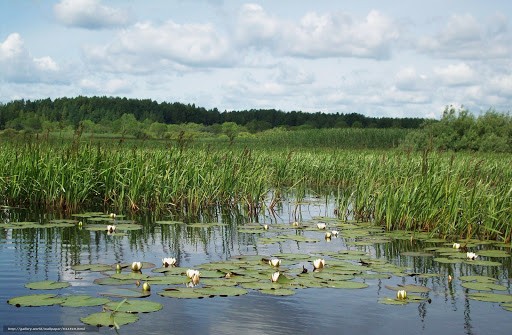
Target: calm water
x,y
28,255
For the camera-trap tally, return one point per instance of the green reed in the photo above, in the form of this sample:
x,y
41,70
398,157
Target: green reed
x,y
462,195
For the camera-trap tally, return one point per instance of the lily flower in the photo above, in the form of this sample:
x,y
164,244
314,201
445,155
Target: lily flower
x,y
456,246
111,228
318,263
171,261
191,273
146,287
112,215
328,235
471,255
195,279
335,233
265,226
136,266
295,224
275,262
401,294
275,276
321,225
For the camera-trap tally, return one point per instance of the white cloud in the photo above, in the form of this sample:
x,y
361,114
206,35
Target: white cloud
x,y
110,86
501,85
456,74
89,14
463,36
18,65
407,79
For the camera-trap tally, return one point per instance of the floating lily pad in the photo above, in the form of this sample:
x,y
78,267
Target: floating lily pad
x,y
483,286
445,260
109,319
507,306
83,301
392,301
134,306
480,279
223,291
47,285
181,293
168,280
491,297
292,257
278,291
494,253
130,276
416,254
482,263
345,284
36,300
92,267
126,293
409,288
169,222
112,281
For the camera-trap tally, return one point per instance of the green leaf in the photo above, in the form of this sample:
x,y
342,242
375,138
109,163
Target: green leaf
x,y
47,285
134,306
36,300
126,293
491,297
278,291
92,267
83,301
223,291
483,286
345,284
109,319
181,293
480,279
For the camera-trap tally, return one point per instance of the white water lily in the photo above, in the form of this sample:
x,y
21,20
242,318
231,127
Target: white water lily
x,y
321,225
295,224
113,215
328,235
335,233
456,246
275,276
318,263
274,262
401,294
146,286
111,228
191,273
195,278
170,261
136,266
265,226
471,255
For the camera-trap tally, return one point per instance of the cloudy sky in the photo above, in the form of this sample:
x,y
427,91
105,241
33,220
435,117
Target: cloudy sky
x,y
378,58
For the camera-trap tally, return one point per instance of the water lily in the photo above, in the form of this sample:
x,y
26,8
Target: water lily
x,y
146,286
321,225
195,278
335,233
401,294
136,266
471,255
275,262
111,228
170,261
265,226
295,224
275,276
112,215
318,263
328,235
191,273
456,246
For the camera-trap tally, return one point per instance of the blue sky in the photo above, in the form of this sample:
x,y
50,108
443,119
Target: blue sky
x,y
378,58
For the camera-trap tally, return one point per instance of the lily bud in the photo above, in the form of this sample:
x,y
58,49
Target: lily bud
x,y
275,276
401,294
275,262
136,266
318,263
146,286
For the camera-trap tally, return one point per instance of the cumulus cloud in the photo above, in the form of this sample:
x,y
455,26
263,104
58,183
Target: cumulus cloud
x,y
318,35
18,65
147,47
102,86
456,74
89,14
407,79
463,36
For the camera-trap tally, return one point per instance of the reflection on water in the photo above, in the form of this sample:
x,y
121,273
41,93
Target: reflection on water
x,y
39,254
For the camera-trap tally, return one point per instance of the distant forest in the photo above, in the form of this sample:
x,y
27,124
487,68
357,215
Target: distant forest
x,y
32,115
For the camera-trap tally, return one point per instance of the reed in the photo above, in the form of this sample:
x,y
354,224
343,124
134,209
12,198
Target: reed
x,y
461,195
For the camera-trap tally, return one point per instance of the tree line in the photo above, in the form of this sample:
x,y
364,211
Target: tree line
x,y
36,114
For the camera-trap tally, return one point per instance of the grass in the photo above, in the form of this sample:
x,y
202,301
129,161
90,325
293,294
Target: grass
x,y
461,195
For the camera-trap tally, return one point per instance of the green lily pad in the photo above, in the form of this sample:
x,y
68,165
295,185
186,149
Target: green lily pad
x,y
416,254
345,284
483,286
392,301
223,291
507,306
260,285
218,282
278,291
292,257
112,281
130,276
134,306
83,301
47,285
126,293
181,293
108,319
36,300
482,263
168,280
493,253
169,222
409,288
92,267
480,279
445,260
491,297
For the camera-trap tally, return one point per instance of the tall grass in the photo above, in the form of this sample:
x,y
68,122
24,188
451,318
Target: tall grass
x,y
458,195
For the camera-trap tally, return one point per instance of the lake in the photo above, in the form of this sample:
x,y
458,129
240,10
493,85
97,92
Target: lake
x,y
317,302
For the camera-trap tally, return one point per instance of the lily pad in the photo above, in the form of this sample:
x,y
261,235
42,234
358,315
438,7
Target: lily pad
x,y
483,286
181,293
112,281
445,260
507,306
169,222
223,291
83,301
126,293
278,291
493,253
416,254
345,284
482,263
392,301
36,300
47,285
480,279
134,306
491,297
109,319
409,288
92,267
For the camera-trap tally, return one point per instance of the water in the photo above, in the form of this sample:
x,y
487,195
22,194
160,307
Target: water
x,y
28,255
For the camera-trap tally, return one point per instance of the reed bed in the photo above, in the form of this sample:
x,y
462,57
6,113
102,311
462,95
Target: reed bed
x,y
462,195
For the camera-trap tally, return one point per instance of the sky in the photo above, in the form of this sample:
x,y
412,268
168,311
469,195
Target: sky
x,y
377,58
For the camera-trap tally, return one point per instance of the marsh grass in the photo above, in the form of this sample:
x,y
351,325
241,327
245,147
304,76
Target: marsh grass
x,y
464,195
